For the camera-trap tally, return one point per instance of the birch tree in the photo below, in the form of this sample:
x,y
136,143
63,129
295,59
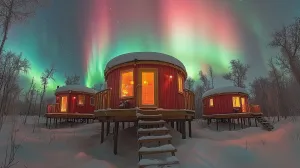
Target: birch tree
x,y
237,74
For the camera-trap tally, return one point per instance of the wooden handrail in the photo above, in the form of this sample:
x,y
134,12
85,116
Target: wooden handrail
x,y
189,99
102,99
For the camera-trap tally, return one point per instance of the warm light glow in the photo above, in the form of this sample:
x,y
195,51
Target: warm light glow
x,y
244,107
126,84
236,102
180,84
74,97
148,88
81,99
211,102
170,76
64,104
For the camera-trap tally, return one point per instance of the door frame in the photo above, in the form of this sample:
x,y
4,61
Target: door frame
x,y
140,85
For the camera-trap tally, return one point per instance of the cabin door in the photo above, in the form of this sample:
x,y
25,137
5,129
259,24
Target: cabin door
x,y
244,106
64,104
147,88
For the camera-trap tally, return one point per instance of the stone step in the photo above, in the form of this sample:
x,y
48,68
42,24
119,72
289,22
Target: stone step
x,y
156,150
143,163
147,139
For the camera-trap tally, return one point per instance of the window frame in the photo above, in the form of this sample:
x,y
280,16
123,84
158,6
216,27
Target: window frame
x,y
237,98
182,83
209,102
120,84
78,98
60,103
92,98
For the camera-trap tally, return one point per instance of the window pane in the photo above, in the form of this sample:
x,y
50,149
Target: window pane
x,y
180,83
148,88
236,102
81,100
127,84
211,102
64,104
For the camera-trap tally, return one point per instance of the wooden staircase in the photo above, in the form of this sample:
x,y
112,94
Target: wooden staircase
x,y
151,129
266,124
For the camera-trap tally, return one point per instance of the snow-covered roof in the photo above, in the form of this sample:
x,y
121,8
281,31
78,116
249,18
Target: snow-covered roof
x,y
228,89
144,56
76,88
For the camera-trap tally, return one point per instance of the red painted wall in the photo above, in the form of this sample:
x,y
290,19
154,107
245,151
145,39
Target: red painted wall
x,y
222,104
168,96
73,106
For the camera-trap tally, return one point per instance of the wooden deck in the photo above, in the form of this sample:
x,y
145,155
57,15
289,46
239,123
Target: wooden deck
x,y
70,115
232,115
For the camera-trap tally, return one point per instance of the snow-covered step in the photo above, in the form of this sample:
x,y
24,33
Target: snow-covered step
x,y
161,130
144,139
155,162
143,122
144,116
159,149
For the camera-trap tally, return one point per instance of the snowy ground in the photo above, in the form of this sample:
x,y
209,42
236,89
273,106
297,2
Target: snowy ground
x,y
79,147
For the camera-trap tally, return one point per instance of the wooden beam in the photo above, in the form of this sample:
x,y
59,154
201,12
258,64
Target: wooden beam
x,y
190,128
102,131
183,130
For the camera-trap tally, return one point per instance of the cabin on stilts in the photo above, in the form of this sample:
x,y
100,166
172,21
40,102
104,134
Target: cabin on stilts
x,y
147,83
231,104
72,102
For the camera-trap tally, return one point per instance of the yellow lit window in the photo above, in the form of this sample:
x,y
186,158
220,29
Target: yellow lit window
x,y
64,104
180,84
244,107
211,102
236,102
126,84
81,100
148,88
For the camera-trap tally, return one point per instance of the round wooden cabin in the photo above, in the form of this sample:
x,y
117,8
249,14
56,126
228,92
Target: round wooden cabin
x,y
225,100
75,99
146,80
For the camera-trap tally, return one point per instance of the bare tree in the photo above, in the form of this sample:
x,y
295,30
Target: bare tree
x,y
47,75
29,96
238,73
211,76
13,11
11,65
189,83
205,81
199,90
288,41
98,86
72,80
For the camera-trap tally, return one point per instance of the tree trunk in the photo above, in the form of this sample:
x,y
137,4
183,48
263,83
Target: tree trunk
x,y
6,26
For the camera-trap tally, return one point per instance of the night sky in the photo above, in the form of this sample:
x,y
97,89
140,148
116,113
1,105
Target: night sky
x,y
81,36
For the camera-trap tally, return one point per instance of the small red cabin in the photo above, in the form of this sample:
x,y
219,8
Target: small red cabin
x,y
73,99
225,100
146,80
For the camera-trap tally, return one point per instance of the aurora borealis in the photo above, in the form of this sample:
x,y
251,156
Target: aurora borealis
x,y
81,36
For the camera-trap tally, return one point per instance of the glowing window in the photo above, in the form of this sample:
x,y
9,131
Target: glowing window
x,y
180,84
64,104
211,102
148,88
92,101
81,100
126,84
244,107
236,102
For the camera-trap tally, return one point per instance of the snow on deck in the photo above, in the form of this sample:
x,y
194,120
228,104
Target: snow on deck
x,y
151,122
153,129
168,160
143,56
76,88
228,89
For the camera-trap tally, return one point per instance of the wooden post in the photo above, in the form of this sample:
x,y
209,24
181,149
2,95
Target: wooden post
x,y
46,122
229,124
123,124
217,121
183,131
102,131
249,121
190,128
177,126
255,121
172,124
116,137
107,128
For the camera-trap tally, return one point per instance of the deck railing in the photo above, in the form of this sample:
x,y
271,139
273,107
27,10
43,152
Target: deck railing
x,y
53,108
189,99
102,99
254,108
